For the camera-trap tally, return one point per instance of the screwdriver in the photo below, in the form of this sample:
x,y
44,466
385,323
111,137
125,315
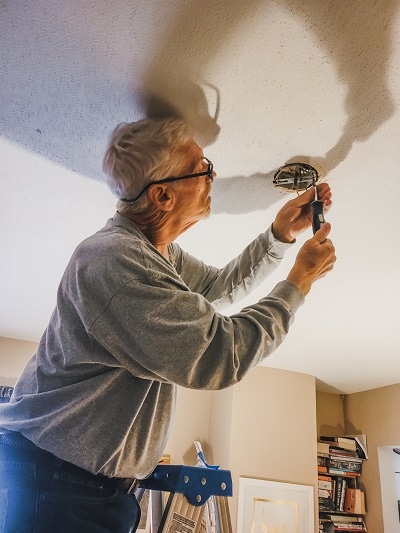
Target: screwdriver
x,y
318,210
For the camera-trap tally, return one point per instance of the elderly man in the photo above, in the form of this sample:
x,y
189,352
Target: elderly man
x,y
135,317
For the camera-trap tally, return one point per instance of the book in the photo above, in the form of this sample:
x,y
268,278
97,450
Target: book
x,y
361,445
338,495
346,443
343,518
323,448
344,465
333,522
325,482
355,501
343,473
322,468
351,443
342,496
325,526
325,493
341,526
329,465
346,454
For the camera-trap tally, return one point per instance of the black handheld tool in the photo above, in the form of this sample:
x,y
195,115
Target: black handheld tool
x,y
318,211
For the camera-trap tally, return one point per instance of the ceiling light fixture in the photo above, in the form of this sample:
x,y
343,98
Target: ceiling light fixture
x,y
295,177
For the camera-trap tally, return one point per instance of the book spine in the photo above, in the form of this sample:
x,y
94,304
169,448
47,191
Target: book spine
x,y
360,450
338,495
350,500
354,466
325,496
342,496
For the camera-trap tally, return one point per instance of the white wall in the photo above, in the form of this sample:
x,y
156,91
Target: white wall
x,y
389,463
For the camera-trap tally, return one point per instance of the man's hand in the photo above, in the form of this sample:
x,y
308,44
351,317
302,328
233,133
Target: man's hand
x,y
315,258
296,215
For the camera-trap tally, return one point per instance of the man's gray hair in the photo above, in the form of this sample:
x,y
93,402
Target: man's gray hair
x,y
141,152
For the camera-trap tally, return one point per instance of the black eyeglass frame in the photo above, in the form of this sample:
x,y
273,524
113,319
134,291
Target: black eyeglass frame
x,y
208,172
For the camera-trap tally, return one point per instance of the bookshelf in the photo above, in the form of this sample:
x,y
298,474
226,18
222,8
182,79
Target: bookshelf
x,y
341,501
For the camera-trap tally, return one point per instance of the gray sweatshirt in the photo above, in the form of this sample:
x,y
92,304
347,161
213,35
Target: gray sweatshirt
x,y
128,327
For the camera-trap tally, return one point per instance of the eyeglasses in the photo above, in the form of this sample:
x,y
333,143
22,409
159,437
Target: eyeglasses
x,y
208,172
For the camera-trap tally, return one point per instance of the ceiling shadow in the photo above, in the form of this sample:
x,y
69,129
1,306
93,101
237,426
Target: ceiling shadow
x,y
175,82
245,194
356,37
62,89
61,94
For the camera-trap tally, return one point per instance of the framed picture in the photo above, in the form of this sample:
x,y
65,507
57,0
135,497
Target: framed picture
x,y
270,506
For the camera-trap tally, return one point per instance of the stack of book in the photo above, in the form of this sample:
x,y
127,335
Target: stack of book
x,y
339,500
340,465
326,493
345,524
350,445
337,494
341,455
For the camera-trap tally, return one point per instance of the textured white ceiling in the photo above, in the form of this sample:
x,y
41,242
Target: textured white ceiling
x,y
266,82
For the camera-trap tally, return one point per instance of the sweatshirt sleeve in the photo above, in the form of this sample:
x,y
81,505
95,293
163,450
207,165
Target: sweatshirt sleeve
x,y
157,320
158,332
239,277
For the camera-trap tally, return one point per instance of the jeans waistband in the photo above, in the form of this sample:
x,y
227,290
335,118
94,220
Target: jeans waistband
x,y
17,441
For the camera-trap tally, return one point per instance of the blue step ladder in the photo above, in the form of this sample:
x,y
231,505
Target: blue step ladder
x,y
197,501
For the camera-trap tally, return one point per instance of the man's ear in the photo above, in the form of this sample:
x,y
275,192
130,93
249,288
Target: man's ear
x,y
162,196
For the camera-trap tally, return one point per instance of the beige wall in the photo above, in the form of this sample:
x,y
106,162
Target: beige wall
x,y
191,423
14,354
374,413
269,422
330,414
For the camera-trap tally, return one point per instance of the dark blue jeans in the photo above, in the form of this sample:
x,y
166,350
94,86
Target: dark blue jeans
x,y
39,493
